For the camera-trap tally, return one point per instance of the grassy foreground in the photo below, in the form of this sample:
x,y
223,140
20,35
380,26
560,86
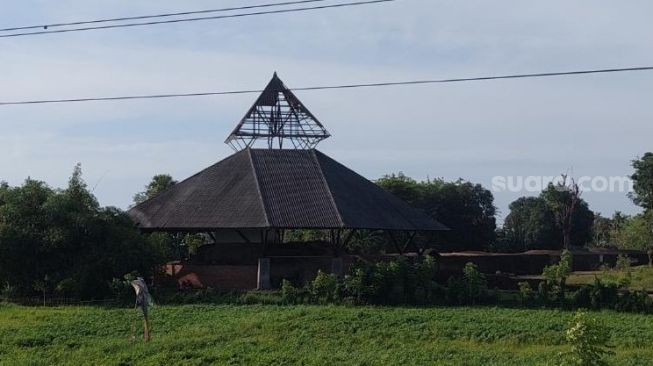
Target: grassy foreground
x,y
304,335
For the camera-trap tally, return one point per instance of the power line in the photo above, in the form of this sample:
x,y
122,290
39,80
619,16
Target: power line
x,y
329,87
163,15
240,15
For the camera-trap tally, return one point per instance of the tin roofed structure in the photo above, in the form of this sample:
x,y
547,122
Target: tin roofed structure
x,y
278,189
256,194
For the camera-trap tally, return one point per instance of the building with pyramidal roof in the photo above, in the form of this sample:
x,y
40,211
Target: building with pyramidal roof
x,y
275,184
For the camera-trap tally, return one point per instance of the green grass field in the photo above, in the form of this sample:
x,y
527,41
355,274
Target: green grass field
x,y
641,277
304,335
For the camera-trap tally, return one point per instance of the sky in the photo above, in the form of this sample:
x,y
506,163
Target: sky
x,y
591,125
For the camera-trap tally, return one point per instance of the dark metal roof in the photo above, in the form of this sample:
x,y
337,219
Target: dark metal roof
x,y
267,188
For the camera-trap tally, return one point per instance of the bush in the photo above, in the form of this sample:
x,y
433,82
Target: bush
x,y
603,295
555,279
426,290
589,340
455,292
623,263
635,301
67,287
323,288
122,290
393,282
470,289
475,284
8,292
288,292
526,293
293,295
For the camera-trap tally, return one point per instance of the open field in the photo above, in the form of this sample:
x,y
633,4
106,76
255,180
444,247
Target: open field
x,y
308,335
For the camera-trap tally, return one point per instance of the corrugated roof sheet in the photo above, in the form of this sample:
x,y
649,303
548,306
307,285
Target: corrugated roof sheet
x,y
265,188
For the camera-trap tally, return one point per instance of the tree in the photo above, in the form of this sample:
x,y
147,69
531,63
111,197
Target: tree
x,y
159,183
65,236
637,234
530,225
557,218
466,208
642,194
571,214
606,230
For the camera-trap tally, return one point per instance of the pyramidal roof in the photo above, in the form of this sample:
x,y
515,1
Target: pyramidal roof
x,y
279,119
278,188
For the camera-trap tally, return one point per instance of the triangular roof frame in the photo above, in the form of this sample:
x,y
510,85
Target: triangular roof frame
x,y
278,116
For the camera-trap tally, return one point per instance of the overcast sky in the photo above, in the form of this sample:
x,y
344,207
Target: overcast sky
x,y
589,125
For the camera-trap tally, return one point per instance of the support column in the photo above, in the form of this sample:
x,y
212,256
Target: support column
x,y
263,276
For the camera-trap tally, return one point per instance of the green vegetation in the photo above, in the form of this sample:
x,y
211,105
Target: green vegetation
x,y
309,335
158,184
638,278
464,207
544,221
589,340
642,194
61,242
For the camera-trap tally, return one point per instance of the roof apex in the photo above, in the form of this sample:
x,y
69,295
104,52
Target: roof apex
x,y
277,116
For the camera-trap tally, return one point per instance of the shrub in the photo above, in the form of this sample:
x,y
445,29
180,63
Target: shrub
x,y
293,295
400,281
623,263
323,288
603,295
67,287
544,292
526,293
475,284
456,291
635,301
426,290
555,277
8,292
589,340
121,289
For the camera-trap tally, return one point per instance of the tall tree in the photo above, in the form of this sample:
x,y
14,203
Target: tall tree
x,y
642,193
159,183
62,238
563,199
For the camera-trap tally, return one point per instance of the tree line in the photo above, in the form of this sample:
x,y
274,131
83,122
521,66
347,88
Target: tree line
x,y
63,241
556,218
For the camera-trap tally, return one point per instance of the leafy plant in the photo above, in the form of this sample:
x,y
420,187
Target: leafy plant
x,y
526,293
475,283
323,288
8,292
121,289
623,263
555,277
589,339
